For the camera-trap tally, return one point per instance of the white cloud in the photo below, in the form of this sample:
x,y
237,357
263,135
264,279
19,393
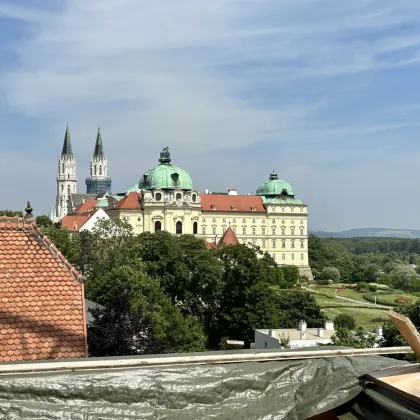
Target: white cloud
x,y
179,73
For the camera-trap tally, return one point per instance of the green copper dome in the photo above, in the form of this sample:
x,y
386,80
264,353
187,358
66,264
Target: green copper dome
x,y
275,187
166,176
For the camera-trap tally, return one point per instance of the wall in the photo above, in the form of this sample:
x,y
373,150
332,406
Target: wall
x,y
264,341
90,224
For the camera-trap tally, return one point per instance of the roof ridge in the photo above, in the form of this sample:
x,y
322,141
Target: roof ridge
x,y
41,237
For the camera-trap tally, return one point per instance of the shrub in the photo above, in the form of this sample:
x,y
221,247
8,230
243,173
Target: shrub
x,y
344,321
323,282
372,288
403,300
362,287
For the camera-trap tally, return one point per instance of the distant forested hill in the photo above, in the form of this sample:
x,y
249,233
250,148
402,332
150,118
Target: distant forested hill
x,y
370,232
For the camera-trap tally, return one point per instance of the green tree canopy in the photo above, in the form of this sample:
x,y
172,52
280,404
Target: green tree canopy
x,y
344,321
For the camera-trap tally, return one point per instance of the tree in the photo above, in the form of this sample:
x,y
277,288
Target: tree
x,y
330,273
137,318
345,321
359,339
44,222
295,306
66,241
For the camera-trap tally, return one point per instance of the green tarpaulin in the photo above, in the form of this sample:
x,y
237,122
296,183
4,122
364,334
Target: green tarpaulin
x,y
295,389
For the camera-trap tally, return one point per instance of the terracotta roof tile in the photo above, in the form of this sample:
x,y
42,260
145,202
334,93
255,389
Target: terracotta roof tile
x,y
42,304
87,206
74,221
231,203
129,202
228,238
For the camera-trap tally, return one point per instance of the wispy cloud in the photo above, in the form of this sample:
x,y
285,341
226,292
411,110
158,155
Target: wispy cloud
x,y
271,81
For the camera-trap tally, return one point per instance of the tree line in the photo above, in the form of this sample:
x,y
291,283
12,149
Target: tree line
x,y
161,293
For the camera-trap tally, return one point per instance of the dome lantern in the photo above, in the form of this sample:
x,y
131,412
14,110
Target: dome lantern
x,y
275,187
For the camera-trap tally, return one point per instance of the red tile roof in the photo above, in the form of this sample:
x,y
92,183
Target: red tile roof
x,y
87,206
228,238
210,245
74,221
231,203
129,202
42,312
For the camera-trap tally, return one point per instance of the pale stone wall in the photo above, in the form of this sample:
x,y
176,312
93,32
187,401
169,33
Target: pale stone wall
x,y
281,231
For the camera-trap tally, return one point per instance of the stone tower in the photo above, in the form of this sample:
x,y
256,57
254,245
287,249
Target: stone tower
x,y
98,182
66,179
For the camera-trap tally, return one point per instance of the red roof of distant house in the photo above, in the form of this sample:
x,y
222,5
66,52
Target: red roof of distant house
x,y
231,203
210,245
42,312
228,238
74,221
87,206
129,202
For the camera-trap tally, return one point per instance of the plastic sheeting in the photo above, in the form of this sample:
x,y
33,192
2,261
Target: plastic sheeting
x,y
295,389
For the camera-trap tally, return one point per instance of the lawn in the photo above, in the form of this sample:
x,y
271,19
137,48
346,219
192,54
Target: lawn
x,y
390,298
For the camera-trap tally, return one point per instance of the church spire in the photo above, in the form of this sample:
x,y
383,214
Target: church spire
x,y
67,151
99,149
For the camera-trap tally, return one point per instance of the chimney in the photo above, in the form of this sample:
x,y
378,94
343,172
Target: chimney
x,y
302,326
303,335
232,191
321,332
206,191
329,326
378,331
28,218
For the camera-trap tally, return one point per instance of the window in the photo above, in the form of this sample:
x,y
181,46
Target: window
x,y
283,256
224,229
62,188
301,209
252,208
213,207
302,256
283,244
292,221
203,219
292,230
62,168
234,229
253,230
263,230
203,230
178,228
158,196
214,220
139,219
234,220
283,221
224,220
283,230
273,208
158,226
273,256
302,244
194,198
178,196
94,170
263,244
244,220
293,256
254,243
214,230
302,221
273,221
274,244
195,228
273,231
253,220
244,230
233,208
292,209
282,209
100,170
293,243
301,231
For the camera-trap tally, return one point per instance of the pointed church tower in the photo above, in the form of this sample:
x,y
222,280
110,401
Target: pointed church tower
x,y
98,182
66,179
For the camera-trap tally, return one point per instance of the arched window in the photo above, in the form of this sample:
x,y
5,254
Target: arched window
x,y
62,188
178,196
100,170
301,231
195,228
94,170
62,168
158,225
68,190
283,230
178,228
292,230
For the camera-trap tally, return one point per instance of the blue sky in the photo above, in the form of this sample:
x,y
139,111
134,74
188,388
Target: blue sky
x,y
325,92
